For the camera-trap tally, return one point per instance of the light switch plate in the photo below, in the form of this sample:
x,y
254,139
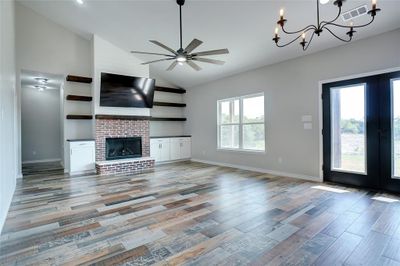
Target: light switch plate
x,y
306,118
307,126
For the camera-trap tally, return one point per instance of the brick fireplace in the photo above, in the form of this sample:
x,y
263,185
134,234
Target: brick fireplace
x,y
107,127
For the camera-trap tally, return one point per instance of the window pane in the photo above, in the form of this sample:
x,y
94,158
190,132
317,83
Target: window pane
x,y
396,127
253,109
229,136
348,128
225,112
253,137
236,112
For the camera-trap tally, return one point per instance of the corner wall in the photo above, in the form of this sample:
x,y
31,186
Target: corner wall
x,y
8,151
291,91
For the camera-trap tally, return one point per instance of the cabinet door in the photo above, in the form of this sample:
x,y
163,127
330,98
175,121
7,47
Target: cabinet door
x,y
165,150
185,148
82,159
175,149
155,149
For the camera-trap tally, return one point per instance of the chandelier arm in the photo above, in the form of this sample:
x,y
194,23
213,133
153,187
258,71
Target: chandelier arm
x,y
289,43
333,20
339,38
299,31
295,39
347,27
309,42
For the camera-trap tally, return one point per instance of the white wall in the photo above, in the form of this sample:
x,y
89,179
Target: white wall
x,y
8,153
112,59
40,125
166,128
45,46
291,90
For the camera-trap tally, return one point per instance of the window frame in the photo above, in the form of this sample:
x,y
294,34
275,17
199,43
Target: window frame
x,y
240,124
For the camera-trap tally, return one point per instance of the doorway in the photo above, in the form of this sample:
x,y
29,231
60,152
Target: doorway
x,y
361,132
41,123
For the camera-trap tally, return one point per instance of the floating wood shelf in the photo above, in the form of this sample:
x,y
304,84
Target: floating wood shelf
x,y
79,79
80,117
79,98
123,117
172,90
169,104
168,119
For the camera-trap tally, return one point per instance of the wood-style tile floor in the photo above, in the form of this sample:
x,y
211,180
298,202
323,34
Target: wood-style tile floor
x,y
197,214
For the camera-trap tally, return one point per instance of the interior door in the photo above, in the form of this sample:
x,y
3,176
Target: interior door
x,y
350,132
390,132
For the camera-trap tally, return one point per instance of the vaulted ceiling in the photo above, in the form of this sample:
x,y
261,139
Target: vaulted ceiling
x,y
245,27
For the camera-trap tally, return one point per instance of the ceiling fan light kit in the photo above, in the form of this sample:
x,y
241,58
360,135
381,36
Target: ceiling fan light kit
x,y
321,26
184,55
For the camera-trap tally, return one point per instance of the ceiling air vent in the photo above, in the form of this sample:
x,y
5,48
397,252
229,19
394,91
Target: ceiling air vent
x,y
355,13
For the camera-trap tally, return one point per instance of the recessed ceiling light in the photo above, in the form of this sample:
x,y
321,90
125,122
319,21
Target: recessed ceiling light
x,y
79,2
41,87
323,2
42,80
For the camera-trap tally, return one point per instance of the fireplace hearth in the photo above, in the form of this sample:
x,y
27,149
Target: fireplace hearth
x,y
123,148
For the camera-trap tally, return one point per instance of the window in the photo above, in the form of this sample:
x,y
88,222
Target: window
x,y
241,123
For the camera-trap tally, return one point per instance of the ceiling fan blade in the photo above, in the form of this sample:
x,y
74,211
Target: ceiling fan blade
x,y
193,45
164,46
193,65
155,61
212,52
208,60
172,66
139,52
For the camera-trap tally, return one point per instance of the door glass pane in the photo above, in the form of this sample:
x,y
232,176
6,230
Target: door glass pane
x,y
348,129
396,127
253,137
229,136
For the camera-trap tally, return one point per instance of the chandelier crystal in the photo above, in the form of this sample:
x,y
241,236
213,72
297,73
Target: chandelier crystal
x,y
318,28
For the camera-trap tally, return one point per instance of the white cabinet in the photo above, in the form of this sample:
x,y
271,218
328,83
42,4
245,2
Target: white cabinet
x,y
81,156
170,149
160,149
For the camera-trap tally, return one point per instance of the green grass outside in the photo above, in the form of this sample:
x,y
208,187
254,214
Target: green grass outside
x,y
355,163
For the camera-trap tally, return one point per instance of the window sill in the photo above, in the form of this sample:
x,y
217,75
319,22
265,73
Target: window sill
x,y
241,151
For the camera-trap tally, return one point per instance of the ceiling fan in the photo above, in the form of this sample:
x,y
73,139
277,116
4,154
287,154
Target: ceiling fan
x,y
181,55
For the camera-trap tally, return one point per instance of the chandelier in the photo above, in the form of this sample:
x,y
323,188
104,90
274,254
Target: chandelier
x,y
321,26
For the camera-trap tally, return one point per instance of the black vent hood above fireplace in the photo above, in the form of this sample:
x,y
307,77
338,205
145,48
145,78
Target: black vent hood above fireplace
x,y
123,148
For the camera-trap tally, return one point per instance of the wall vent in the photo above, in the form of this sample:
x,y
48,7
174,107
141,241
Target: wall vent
x,y
355,13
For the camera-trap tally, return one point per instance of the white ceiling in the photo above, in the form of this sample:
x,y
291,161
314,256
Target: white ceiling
x,y
244,27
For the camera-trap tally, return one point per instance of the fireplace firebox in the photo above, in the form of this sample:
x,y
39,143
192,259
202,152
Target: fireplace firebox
x,y
122,148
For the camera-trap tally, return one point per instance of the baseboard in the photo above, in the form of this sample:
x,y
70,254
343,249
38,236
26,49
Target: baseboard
x,y
43,161
173,161
260,170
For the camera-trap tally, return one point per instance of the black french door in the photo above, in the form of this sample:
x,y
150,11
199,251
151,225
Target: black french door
x,y
361,132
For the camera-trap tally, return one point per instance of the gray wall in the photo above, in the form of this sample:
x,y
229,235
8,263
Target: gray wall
x,y
8,151
40,125
291,90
